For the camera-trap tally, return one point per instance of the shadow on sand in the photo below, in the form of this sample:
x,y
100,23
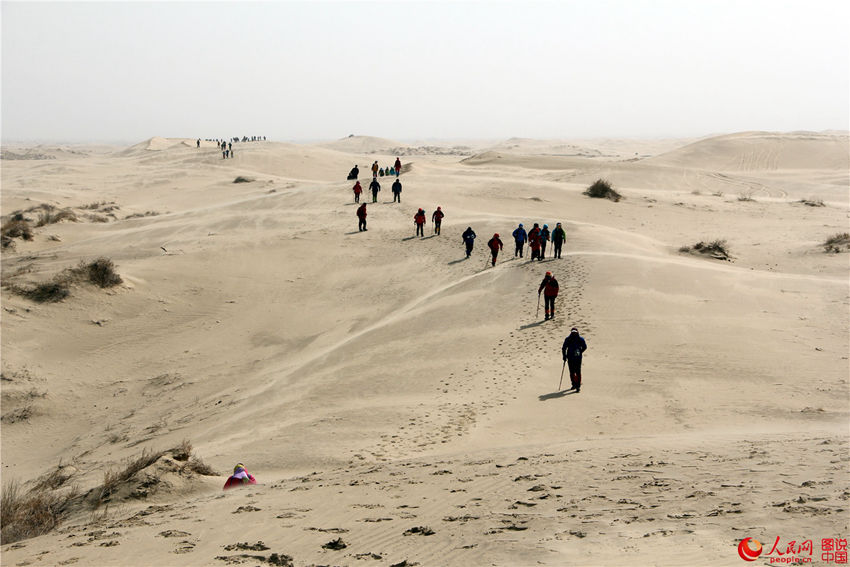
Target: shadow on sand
x,y
458,261
354,232
555,395
535,324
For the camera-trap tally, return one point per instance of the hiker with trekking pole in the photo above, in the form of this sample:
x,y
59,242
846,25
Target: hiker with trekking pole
x,y
574,346
495,244
437,219
419,221
549,288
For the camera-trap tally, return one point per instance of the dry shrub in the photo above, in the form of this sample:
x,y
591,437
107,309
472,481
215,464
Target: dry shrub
x,y
242,179
601,189
810,203
17,228
100,272
51,216
835,242
26,515
716,249
113,479
140,215
46,292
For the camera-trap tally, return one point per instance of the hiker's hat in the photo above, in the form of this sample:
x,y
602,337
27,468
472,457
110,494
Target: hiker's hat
x,y
545,226
238,466
496,235
548,273
520,225
574,330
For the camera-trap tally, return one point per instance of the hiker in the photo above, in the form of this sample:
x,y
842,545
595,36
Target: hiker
x,y
419,219
468,239
374,187
198,143
544,238
375,169
520,236
230,146
223,154
391,171
574,346
396,191
397,167
437,218
361,214
357,190
240,477
495,245
381,172
558,237
534,241
354,173
549,288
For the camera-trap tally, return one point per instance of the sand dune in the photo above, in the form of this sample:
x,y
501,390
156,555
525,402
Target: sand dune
x,y
382,387
764,151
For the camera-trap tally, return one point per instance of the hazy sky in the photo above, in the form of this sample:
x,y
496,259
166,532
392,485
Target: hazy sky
x,y
113,71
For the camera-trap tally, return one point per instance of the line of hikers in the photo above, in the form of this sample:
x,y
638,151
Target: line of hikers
x,y
375,188
537,238
377,170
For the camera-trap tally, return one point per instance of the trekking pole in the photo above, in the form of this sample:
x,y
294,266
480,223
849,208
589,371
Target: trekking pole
x,y
562,375
537,314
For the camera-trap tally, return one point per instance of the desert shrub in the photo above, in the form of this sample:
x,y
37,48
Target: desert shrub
x,y
835,242
112,479
601,189
100,272
809,203
26,515
716,249
16,228
46,292
242,179
97,218
51,216
198,466
140,215
746,198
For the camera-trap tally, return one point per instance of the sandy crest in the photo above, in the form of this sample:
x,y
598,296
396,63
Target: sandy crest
x,y
376,382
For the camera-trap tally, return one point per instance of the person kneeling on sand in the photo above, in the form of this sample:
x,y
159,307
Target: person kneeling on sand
x,y
240,477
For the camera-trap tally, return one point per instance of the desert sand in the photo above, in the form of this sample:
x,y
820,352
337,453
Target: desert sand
x,y
389,393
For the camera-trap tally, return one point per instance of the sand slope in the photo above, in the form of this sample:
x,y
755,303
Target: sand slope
x,y
375,382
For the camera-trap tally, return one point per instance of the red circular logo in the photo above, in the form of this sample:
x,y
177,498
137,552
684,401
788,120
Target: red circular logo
x,y
747,552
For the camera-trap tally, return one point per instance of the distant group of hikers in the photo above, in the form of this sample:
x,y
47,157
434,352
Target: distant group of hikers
x,y
226,146
377,171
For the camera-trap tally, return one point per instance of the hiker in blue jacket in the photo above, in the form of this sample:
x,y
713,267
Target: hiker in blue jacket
x,y
574,346
520,236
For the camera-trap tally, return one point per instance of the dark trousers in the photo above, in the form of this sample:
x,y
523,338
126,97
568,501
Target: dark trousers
x,y
468,248
557,246
374,196
357,197
396,197
542,249
575,372
495,254
420,230
549,303
362,224
436,227
535,253
518,251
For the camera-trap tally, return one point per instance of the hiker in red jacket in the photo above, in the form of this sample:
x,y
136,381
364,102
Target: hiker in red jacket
x,y
361,214
495,245
357,190
437,218
419,219
534,242
397,167
549,288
